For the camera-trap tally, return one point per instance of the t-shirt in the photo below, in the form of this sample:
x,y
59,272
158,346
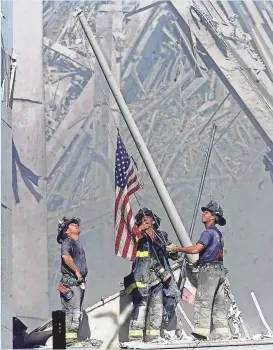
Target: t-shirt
x,y
75,249
212,240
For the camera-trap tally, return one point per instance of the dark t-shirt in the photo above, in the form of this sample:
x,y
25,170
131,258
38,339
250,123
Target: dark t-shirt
x,y
75,249
212,240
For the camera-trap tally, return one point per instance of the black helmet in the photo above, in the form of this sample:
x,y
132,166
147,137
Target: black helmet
x,y
215,209
62,227
147,212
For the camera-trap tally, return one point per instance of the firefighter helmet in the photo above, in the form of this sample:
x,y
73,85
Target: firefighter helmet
x,y
62,227
215,209
147,212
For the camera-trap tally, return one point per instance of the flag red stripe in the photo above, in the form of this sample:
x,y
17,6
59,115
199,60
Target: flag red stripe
x,y
134,179
117,203
121,223
128,240
125,240
130,172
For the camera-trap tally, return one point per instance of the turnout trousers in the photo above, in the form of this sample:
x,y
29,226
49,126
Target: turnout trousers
x,y
146,321
73,312
210,310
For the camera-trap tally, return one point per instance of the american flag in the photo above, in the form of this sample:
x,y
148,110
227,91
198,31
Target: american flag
x,y
127,184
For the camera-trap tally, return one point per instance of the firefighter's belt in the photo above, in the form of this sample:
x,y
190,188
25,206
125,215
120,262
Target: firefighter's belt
x,y
144,254
135,285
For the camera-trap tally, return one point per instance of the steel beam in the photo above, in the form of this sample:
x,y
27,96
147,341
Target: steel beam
x,y
30,250
68,53
145,8
243,90
65,133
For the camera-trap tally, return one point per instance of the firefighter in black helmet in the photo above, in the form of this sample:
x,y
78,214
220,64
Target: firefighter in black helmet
x,y
74,271
210,303
150,282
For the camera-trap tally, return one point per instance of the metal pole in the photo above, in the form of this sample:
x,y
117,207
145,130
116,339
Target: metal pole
x,y
140,144
202,180
217,109
198,198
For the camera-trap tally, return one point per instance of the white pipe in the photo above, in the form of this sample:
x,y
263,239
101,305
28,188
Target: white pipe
x,y
140,144
260,313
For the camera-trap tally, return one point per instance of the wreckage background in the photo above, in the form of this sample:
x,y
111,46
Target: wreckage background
x,y
170,103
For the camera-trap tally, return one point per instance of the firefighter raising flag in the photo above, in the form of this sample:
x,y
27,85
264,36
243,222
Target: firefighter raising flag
x,y
127,184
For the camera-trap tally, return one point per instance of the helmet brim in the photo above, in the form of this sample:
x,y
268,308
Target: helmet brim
x,y
60,235
221,219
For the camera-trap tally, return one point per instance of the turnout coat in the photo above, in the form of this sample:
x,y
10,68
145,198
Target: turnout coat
x,y
151,267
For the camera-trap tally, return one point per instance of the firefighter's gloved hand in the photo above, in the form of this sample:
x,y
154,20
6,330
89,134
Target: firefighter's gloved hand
x,y
171,248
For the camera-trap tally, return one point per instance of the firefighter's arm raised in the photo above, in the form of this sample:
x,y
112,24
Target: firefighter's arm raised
x,y
137,230
195,249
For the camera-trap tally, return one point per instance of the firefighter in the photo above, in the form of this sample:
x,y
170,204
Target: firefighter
x,y
74,271
210,302
151,282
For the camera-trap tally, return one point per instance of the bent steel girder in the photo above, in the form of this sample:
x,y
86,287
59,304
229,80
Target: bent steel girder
x,y
243,89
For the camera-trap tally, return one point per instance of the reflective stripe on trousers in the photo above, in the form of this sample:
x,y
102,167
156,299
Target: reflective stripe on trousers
x,y
210,302
149,312
136,333
202,331
135,285
71,335
153,332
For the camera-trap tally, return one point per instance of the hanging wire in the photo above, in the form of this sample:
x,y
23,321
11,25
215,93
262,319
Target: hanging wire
x,y
226,129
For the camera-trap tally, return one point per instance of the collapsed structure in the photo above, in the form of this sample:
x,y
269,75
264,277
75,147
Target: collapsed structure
x,y
179,68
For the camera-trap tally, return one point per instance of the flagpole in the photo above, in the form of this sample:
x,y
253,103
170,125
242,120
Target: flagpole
x,y
140,144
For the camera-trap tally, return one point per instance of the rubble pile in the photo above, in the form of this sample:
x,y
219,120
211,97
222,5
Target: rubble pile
x,y
174,98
